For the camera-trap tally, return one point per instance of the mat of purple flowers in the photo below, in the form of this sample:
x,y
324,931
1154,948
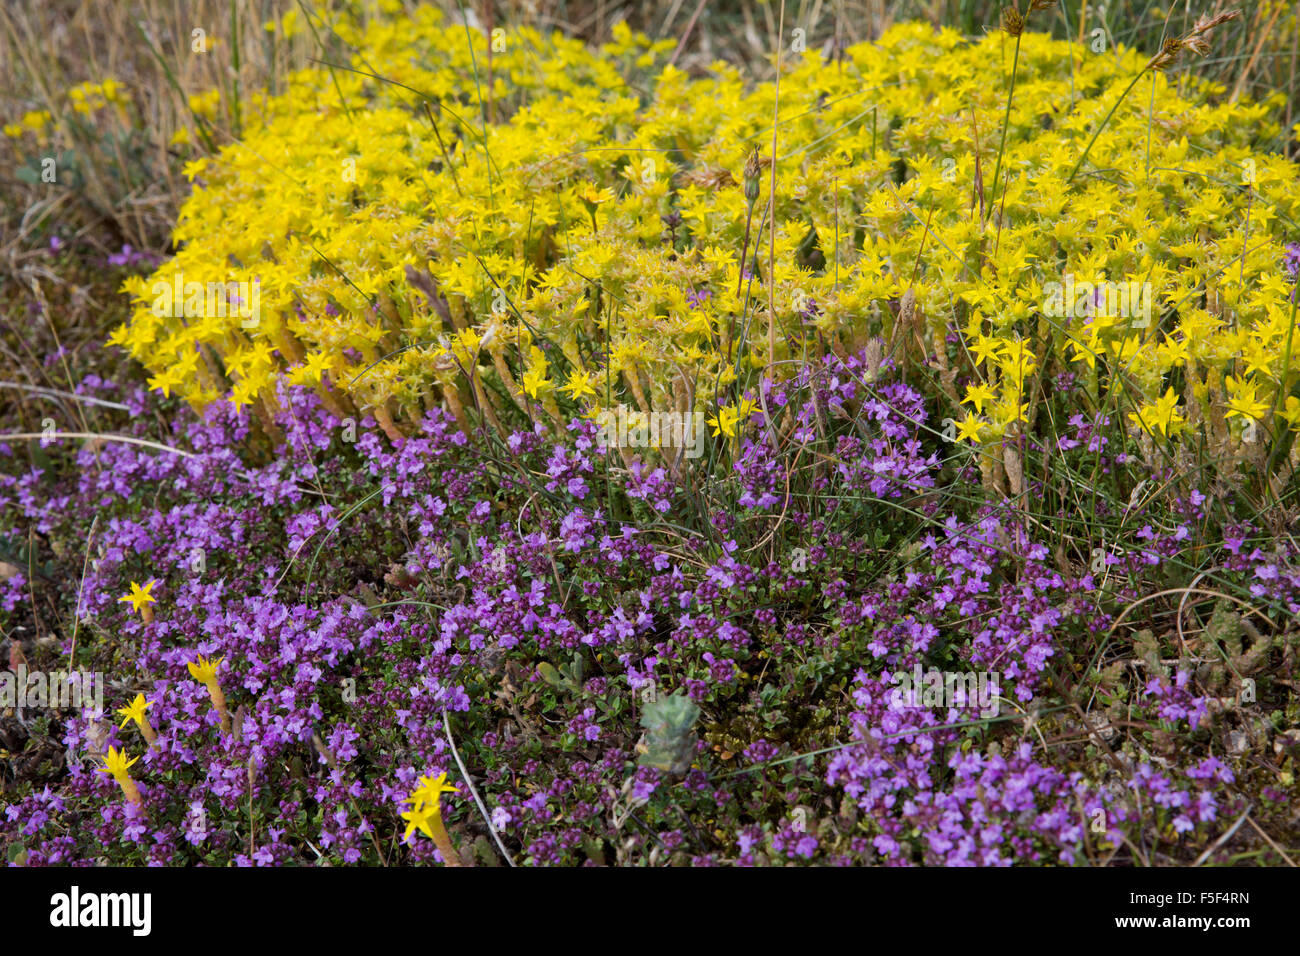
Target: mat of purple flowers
x,y
512,613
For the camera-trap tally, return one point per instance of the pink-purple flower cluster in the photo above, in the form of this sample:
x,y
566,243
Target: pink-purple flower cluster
x,y
364,597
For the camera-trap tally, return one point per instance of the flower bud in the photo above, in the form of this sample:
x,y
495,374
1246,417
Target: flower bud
x,y
1013,22
752,171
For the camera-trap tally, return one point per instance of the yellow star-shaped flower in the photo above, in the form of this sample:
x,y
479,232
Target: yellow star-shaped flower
x,y
116,764
204,670
1290,411
985,348
419,819
139,597
165,381
535,380
968,429
593,196
425,814
244,393
729,418
978,395
580,385
1244,402
134,711
1162,416
429,793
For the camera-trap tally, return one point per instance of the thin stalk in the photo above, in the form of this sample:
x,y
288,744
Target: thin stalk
x,y
771,200
234,76
175,85
1281,387
1123,96
306,15
1006,120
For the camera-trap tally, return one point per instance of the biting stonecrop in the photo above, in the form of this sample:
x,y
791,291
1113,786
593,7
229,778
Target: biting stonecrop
x,y
205,672
425,815
85,100
117,766
547,229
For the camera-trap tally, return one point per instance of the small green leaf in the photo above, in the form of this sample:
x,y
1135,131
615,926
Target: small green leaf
x,y
548,673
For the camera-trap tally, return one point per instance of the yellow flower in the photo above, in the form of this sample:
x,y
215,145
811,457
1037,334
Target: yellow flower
x,y
118,767
729,418
978,394
140,598
1290,411
1011,411
580,385
429,793
1084,352
116,764
244,393
1126,349
318,363
165,381
1244,403
1017,358
385,209
593,196
425,815
985,348
968,429
205,671
1162,416
535,380
422,819
37,120
724,423
134,711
